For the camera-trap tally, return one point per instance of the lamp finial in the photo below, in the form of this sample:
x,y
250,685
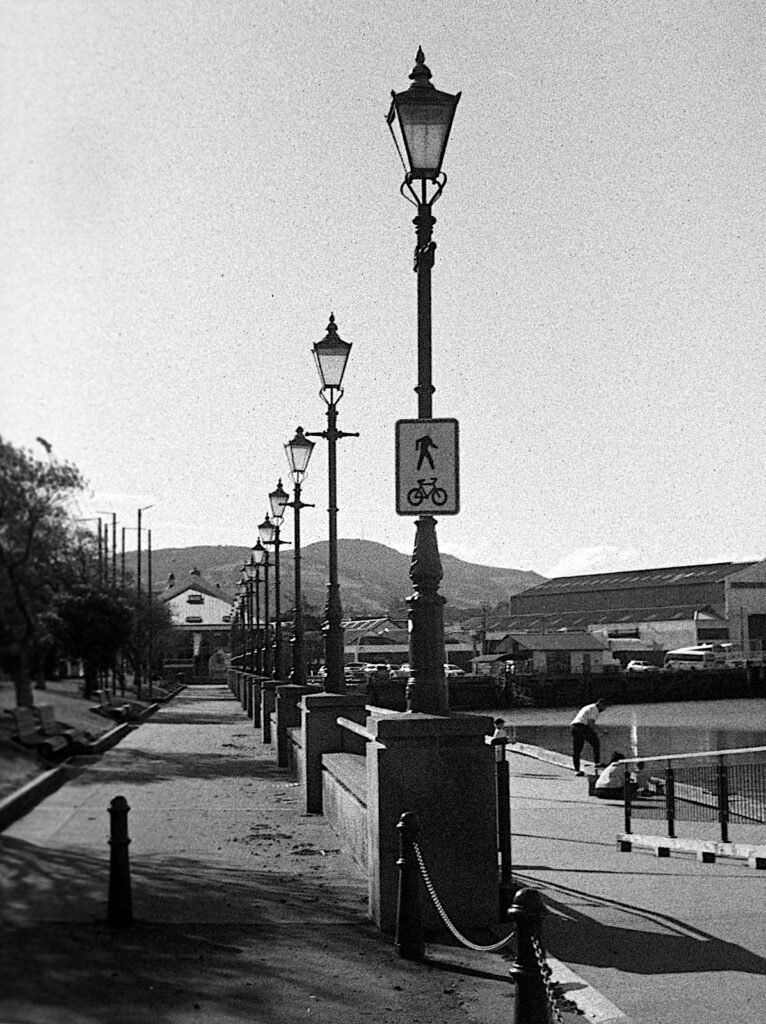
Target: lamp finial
x,y
420,73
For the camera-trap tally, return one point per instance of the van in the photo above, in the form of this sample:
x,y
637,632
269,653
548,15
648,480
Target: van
x,y
695,659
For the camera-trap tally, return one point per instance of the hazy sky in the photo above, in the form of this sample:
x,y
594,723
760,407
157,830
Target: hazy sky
x,y
190,187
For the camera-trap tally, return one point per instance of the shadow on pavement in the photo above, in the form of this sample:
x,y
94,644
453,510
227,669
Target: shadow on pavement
x,y
669,947
138,767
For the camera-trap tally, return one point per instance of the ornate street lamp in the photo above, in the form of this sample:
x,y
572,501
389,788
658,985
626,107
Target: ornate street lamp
x,y
267,535
422,116
278,500
259,558
331,355
298,454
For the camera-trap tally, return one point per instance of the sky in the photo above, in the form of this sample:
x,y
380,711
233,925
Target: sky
x,y
191,187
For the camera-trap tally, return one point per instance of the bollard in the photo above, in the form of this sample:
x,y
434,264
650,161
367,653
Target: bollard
x,y
507,888
120,910
409,921
531,998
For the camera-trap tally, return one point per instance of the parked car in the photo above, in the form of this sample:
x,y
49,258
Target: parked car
x,y
376,670
402,671
354,672
640,666
453,670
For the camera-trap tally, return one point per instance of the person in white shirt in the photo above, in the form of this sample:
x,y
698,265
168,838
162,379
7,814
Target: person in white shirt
x,y
583,732
610,785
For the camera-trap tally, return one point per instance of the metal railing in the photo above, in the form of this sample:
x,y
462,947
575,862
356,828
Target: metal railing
x,y
723,786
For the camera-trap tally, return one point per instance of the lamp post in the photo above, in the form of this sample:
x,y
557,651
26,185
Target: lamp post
x,y
278,499
258,558
249,570
423,116
243,598
139,623
331,355
298,454
265,531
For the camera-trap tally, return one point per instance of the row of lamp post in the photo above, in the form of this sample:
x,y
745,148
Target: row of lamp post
x,y
420,119
331,355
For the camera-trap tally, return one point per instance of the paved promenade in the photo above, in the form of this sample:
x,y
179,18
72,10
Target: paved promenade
x,y
669,941
246,909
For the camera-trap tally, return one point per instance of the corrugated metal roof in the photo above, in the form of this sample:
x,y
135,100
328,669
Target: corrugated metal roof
x,y
581,620
671,575
564,641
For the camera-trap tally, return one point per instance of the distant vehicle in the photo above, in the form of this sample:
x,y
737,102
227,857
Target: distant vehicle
x,y
354,672
402,671
640,666
695,659
453,670
376,670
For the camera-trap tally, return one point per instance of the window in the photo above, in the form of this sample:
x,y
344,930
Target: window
x,y
226,618
195,599
194,618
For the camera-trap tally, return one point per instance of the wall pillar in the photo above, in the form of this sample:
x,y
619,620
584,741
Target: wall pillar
x,y
442,769
322,735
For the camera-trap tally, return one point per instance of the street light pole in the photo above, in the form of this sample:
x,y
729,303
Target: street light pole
x,y
264,531
298,454
424,117
257,557
278,500
139,624
331,355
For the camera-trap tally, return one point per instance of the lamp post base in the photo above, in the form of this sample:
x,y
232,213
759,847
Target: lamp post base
x,y
427,687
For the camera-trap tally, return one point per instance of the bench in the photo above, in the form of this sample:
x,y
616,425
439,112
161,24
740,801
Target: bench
x,y
124,711
28,734
49,726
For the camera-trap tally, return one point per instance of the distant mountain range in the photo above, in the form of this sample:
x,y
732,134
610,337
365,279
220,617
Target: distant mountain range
x,y
374,579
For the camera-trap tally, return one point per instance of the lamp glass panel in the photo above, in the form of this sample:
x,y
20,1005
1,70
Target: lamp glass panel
x,y
299,452
278,500
267,531
331,359
425,121
259,553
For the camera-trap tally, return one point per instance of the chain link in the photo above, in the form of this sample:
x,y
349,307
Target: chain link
x,y
443,913
545,972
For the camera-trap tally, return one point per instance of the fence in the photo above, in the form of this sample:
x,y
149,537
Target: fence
x,y
723,786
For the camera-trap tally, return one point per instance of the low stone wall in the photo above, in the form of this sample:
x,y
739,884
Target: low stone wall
x,y
344,802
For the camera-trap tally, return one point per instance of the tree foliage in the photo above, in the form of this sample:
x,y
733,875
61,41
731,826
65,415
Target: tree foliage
x,y
38,549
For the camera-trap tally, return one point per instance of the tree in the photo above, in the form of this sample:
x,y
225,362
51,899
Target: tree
x,y
93,623
36,547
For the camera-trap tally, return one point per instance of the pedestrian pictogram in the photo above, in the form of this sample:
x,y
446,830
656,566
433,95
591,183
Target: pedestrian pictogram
x,y
427,467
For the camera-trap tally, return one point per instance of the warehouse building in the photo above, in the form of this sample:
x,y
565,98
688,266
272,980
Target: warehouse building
x,y
646,612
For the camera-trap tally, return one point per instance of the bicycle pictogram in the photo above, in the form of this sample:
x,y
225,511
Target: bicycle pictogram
x,y
427,491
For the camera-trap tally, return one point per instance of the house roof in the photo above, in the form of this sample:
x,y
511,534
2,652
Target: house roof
x,y
572,641
668,576
197,584
554,621
385,628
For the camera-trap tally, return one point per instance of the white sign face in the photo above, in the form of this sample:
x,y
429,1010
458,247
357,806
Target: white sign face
x,y
427,481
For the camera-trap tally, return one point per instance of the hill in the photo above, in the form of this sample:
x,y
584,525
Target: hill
x,y
374,579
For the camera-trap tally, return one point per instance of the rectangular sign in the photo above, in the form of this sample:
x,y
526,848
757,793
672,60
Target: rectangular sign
x,y
427,481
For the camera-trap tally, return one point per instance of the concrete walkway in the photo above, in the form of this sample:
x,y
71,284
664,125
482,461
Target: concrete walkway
x,y
246,909
669,940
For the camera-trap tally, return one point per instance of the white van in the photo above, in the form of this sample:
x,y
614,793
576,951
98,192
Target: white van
x,y
695,659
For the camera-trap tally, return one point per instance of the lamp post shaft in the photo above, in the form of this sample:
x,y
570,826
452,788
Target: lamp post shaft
x,y
298,675
333,632
266,643
139,632
278,657
258,647
427,687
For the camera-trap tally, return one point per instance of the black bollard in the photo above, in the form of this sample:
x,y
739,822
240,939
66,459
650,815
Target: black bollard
x,y
120,911
531,998
409,921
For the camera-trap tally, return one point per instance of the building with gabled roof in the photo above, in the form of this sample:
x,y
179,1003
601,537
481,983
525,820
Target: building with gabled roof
x,y
650,611
201,615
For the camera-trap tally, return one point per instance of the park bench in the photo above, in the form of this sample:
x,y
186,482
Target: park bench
x,y
49,726
124,711
29,735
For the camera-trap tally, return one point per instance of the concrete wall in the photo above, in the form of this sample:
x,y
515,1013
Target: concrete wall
x,y
344,802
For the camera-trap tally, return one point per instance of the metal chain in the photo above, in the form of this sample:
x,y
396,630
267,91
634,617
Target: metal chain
x,y
545,972
437,903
